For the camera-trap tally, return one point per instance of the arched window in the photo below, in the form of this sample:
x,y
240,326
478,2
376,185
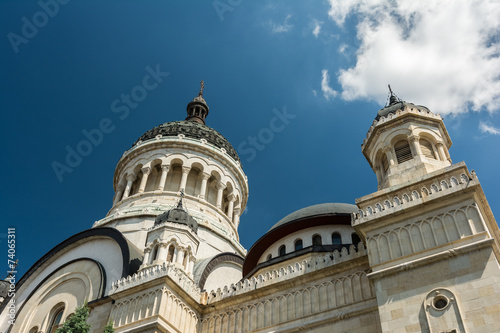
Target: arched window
x,y
336,239
269,257
34,329
170,254
426,148
403,151
317,240
282,250
154,254
56,321
355,238
298,244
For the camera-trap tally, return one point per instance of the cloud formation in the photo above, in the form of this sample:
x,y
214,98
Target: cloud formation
x,y
442,54
279,28
317,28
325,85
486,128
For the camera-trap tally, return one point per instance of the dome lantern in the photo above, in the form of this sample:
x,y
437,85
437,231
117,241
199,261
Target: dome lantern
x,y
197,109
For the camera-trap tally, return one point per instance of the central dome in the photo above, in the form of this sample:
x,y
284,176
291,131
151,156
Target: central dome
x,y
193,130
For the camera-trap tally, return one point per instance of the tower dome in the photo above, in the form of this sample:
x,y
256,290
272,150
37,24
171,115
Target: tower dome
x,y
181,158
405,141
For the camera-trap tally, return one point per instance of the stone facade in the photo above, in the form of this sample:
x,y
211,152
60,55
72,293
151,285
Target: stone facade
x,y
419,255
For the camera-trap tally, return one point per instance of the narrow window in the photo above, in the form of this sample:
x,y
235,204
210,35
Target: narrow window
x,y
56,321
34,329
170,254
282,250
355,238
426,148
317,240
336,239
403,151
269,257
298,244
154,254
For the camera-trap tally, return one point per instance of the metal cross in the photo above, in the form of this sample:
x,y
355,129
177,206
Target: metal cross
x,y
202,86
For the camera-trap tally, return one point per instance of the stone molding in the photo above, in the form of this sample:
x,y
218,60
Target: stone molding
x,y
287,272
166,269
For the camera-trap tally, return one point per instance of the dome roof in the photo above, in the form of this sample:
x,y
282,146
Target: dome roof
x,y
177,215
193,130
316,211
392,108
312,216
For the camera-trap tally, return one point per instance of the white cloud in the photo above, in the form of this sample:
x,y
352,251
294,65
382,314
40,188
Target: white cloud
x,y
486,128
315,93
325,87
442,54
279,28
317,28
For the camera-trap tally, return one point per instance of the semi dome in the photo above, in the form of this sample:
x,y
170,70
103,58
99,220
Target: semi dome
x,y
193,130
326,214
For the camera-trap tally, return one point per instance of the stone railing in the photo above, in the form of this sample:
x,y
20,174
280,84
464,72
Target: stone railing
x,y
398,113
287,272
155,272
411,196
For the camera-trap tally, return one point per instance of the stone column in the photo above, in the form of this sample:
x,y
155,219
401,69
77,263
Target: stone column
x,y
119,192
145,173
415,145
163,178
191,265
180,256
378,173
220,189
236,216
389,155
162,252
130,180
232,199
442,153
185,172
145,261
203,188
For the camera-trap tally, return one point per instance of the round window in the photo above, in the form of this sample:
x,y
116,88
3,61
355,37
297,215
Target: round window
x,y
440,302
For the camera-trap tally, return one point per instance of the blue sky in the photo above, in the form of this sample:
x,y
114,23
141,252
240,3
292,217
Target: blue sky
x,y
326,64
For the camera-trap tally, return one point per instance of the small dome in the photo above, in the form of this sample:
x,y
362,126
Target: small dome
x,y
326,214
400,105
193,130
325,209
178,215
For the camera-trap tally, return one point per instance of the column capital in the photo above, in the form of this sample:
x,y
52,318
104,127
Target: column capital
x,y
131,177
220,186
387,149
186,169
414,138
146,170
205,176
440,143
237,210
231,197
165,167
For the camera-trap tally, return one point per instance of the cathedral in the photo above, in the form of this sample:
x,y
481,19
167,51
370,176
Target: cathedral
x,y
419,254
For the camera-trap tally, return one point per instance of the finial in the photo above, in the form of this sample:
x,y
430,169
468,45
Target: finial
x,y
393,99
179,205
202,86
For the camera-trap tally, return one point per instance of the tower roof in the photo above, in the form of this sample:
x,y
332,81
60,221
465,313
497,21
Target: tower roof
x,y
193,130
395,103
178,215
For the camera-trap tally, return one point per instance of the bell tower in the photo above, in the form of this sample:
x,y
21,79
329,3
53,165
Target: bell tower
x,y
429,231
405,141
